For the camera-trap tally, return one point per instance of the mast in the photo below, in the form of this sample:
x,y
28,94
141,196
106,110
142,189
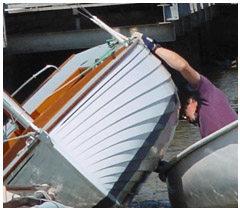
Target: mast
x,y
18,113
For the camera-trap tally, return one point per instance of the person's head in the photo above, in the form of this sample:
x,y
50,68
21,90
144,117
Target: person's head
x,y
189,106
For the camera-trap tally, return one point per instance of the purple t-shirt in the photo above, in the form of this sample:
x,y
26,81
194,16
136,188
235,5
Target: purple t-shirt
x,y
215,112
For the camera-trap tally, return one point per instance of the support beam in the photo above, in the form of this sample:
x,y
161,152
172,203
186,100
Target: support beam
x,y
178,24
194,18
208,14
81,39
4,29
186,16
39,7
4,33
186,23
184,9
171,12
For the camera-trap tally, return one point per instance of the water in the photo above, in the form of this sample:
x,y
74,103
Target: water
x,y
153,193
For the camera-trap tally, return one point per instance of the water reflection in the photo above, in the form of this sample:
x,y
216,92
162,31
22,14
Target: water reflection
x,y
153,193
227,81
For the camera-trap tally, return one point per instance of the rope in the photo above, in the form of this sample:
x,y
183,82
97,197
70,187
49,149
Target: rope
x,y
20,137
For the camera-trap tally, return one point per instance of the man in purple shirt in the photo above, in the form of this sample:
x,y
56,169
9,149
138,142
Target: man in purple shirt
x,y
207,106
211,110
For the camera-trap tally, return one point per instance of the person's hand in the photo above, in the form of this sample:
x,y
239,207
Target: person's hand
x,y
148,42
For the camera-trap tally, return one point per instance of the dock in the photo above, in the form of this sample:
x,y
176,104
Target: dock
x,y
31,28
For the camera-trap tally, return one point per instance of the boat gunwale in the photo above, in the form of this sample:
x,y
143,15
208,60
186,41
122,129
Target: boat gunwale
x,y
197,145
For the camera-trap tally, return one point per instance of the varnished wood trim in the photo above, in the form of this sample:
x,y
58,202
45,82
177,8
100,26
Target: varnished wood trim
x,y
50,100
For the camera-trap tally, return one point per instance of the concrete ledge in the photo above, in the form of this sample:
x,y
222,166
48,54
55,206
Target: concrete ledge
x,y
81,39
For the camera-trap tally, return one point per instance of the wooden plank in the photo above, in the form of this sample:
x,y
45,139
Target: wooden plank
x,y
50,100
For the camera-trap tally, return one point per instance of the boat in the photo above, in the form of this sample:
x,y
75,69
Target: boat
x,y
96,128
205,175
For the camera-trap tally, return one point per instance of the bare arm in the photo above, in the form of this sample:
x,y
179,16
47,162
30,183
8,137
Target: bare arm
x,y
178,63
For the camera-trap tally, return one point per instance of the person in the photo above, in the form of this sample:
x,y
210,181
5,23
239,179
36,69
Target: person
x,y
204,105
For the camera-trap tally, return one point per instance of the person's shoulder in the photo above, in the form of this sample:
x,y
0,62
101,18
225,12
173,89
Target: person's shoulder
x,y
204,81
206,89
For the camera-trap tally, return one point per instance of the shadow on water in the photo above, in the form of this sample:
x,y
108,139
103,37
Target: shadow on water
x,y
154,193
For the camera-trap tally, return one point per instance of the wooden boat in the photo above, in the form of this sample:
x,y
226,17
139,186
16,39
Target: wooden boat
x,y
206,173
94,137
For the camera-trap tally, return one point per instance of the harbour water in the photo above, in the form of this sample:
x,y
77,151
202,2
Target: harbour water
x,y
153,193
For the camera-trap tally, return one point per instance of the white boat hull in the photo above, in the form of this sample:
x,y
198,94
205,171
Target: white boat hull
x,y
113,137
206,174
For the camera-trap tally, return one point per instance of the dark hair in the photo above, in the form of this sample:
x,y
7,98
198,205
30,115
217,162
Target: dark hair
x,y
184,96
